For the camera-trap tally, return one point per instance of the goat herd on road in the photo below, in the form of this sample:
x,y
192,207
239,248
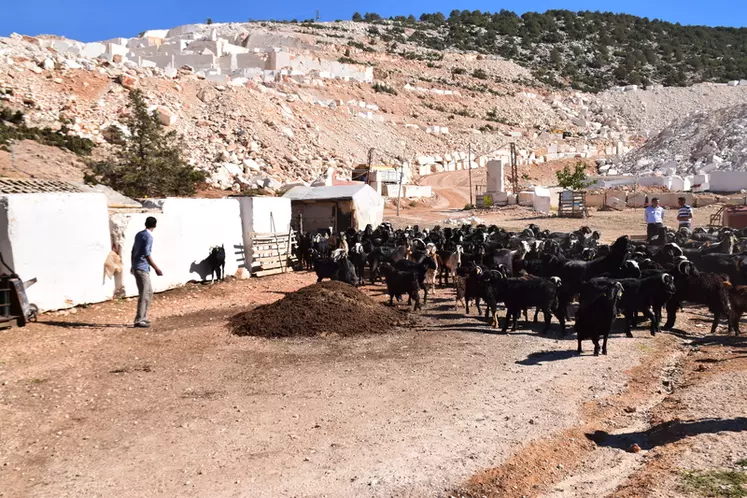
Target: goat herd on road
x,y
546,271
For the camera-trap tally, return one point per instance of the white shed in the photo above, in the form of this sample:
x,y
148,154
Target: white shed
x,y
339,207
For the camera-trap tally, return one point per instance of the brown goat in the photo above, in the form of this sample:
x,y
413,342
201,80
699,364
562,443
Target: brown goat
x,y
738,302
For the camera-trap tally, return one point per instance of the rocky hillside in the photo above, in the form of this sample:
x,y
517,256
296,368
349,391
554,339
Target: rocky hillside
x,y
265,132
701,143
586,50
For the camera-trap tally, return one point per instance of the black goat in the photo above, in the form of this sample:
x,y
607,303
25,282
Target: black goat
x,y
597,311
401,282
338,267
419,269
476,286
383,254
644,295
574,273
358,257
701,288
217,263
521,293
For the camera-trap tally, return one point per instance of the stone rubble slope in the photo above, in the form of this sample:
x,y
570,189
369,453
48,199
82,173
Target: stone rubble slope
x,y
650,111
699,144
295,127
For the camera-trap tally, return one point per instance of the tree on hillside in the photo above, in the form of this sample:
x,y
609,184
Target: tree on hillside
x,y
209,20
150,163
357,17
573,180
602,49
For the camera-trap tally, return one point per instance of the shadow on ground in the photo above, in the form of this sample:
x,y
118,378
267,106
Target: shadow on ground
x,y
668,432
546,356
84,325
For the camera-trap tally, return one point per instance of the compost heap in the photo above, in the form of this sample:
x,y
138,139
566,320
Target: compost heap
x,y
319,309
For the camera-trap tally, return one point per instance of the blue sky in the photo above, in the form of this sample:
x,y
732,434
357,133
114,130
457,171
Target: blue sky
x,y
90,20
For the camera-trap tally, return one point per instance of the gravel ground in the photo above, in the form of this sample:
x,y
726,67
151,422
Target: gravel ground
x,y
91,407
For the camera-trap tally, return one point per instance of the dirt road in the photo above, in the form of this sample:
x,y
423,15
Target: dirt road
x,y
452,188
90,407
93,408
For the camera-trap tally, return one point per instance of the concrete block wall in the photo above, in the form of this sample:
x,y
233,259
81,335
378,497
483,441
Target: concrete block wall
x,y
408,191
187,229
727,181
205,223
61,239
264,214
542,200
64,240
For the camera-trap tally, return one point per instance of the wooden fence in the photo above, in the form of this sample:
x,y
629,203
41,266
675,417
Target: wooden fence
x,y
272,253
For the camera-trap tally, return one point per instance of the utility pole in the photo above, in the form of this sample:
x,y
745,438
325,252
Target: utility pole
x,y
317,15
514,169
469,170
399,188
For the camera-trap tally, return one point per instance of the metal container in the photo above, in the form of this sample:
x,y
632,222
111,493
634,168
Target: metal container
x,y
735,217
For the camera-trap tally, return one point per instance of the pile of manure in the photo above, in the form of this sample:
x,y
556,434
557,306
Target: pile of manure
x,y
321,309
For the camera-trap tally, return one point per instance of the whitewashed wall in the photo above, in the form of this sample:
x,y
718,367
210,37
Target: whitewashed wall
x,y
256,214
206,223
186,230
256,218
64,240
61,239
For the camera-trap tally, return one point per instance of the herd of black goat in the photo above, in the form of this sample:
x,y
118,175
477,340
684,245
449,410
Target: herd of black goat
x,y
546,271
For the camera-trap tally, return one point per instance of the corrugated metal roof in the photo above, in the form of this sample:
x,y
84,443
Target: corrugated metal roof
x,y
30,186
335,192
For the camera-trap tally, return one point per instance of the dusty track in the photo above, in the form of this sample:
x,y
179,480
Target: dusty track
x,y
91,407
187,408
452,188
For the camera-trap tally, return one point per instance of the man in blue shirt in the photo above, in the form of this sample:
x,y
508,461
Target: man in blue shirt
x,y
654,215
141,264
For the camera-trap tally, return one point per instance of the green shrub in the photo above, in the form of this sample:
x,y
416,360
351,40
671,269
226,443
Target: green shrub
x,y
573,180
13,128
383,88
150,163
715,483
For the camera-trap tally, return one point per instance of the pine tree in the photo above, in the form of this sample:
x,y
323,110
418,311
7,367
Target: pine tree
x,y
150,163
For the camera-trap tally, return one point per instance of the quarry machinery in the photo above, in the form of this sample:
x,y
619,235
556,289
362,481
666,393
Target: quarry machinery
x,y
15,308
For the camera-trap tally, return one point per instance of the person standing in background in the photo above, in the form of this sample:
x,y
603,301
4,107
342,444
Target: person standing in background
x,y
685,214
654,215
141,265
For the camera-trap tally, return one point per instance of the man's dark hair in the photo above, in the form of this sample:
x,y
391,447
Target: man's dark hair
x,y
150,222
655,199
681,199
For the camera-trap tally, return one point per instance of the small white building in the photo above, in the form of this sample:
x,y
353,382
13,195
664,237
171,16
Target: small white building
x,y
340,207
55,233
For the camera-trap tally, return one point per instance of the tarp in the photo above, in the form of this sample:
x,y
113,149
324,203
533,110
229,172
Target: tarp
x,y
368,207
